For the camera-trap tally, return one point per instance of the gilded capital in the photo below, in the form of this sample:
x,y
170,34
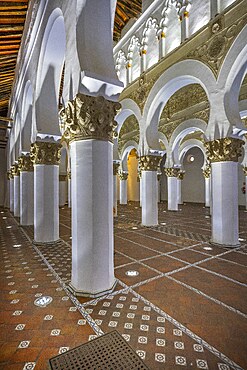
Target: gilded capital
x,y
245,171
180,175
69,175
149,162
172,172
123,175
15,170
207,171
89,117
25,163
222,150
9,174
115,168
42,152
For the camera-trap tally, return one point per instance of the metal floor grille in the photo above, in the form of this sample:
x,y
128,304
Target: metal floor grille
x,y
110,351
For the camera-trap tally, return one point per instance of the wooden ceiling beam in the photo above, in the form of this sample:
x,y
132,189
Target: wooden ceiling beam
x,y
14,12
14,7
11,29
9,20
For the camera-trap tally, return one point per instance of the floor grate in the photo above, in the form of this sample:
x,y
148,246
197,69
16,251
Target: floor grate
x,y
109,351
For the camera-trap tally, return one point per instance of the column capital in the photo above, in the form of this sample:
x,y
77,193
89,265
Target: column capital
x,y
149,162
180,175
207,171
245,170
159,176
69,175
9,174
25,163
115,168
43,152
225,149
123,175
172,172
15,170
89,117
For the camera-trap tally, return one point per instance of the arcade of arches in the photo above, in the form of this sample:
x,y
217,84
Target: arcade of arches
x,y
123,184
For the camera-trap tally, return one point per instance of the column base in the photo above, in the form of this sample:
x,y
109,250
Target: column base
x,y
80,293
224,245
53,243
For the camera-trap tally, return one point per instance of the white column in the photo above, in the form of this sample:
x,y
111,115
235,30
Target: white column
x,y
129,73
17,195
149,198
184,20
225,203
143,54
26,197
214,8
11,194
45,157
92,217
62,190
115,180
179,191
7,192
162,45
140,191
207,191
172,184
123,191
46,203
158,187
69,190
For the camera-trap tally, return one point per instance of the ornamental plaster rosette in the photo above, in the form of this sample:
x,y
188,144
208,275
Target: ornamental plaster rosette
x,y
225,149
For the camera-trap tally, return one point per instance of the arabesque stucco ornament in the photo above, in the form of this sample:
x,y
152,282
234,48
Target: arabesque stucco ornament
x,y
225,149
172,172
25,163
123,175
15,170
149,162
42,152
207,171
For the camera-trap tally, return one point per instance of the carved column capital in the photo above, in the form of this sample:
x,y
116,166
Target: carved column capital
x,y
15,170
180,175
9,174
43,152
222,150
115,168
69,175
172,172
149,162
25,163
207,171
89,117
159,176
123,175
245,170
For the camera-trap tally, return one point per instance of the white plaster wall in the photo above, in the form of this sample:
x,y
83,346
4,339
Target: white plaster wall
x,y
2,176
136,63
152,49
173,33
133,188
193,183
225,3
199,15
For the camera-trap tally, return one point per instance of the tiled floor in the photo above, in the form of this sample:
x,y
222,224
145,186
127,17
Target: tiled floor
x,y
186,307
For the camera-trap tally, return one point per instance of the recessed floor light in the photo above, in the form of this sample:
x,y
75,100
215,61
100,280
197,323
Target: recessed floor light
x,y
163,223
70,237
134,228
164,211
4,218
16,245
207,216
43,301
241,239
131,273
2,212
208,248
8,227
